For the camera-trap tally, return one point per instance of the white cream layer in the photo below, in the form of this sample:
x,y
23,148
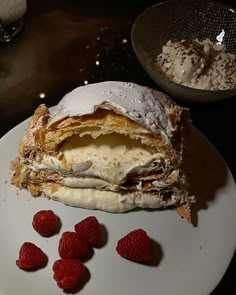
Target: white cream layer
x,y
109,157
106,200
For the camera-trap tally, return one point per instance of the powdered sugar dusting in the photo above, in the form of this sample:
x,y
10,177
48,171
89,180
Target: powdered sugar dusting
x,y
142,104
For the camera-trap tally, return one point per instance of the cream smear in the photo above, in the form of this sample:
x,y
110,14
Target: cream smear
x,y
107,200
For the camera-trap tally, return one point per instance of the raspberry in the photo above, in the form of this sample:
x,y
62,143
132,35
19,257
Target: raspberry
x,y
46,223
71,245
68,272
31,257
136,245
89,230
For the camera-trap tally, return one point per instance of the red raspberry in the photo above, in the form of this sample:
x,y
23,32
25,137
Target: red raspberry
x,y
31,257
136,245
46,223
89,230
71,245
68,272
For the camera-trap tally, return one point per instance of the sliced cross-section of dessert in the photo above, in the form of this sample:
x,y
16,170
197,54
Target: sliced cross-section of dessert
x,y
112,146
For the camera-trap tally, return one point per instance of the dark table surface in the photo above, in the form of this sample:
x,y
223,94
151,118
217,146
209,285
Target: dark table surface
x,y
59,49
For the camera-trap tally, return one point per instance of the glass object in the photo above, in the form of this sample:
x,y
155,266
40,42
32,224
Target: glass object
x,y
11,22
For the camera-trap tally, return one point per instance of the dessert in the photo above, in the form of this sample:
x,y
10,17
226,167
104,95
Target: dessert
x,y
198,64
112,146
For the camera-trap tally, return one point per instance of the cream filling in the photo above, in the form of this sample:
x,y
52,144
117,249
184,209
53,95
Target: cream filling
x,y
107,200
109,157
88,182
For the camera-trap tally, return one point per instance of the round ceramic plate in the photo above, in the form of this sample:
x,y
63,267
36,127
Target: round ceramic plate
x,y
190,259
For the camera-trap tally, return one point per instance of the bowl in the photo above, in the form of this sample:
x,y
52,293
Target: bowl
x,y
181,20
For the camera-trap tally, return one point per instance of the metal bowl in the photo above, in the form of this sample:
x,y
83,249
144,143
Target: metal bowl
x,y
178,20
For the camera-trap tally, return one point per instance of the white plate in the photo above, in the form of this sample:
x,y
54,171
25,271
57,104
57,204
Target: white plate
x,y
194,258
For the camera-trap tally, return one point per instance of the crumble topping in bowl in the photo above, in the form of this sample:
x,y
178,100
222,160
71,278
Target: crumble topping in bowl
x,y
198,64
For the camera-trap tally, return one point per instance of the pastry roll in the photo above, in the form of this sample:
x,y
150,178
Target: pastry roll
x,y
113,146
